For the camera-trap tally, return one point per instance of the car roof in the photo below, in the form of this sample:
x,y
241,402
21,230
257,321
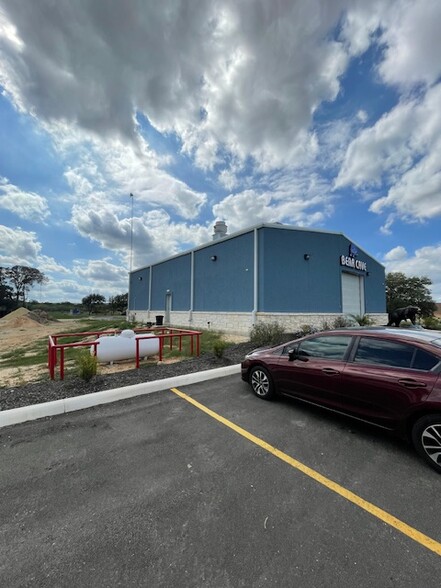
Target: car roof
x,y
419,334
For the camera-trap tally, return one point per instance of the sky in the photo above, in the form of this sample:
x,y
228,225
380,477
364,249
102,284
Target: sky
x,y
322,114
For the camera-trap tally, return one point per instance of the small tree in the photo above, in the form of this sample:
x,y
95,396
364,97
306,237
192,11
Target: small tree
x,y
22,279
267,333
119,302
87,365
6,294
409,291
92,301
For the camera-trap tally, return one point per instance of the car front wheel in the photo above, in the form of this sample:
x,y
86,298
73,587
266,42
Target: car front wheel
x,y
426,437
261,383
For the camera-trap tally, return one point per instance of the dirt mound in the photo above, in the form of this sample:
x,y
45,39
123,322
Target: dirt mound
x,y
15,314
22,317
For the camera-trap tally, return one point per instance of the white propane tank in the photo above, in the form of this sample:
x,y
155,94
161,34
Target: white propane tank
x,y
123,346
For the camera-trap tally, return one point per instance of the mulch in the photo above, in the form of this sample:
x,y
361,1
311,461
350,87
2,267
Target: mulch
x,y
48,390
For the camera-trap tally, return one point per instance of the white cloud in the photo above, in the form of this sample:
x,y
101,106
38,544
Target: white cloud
x,y
396,254
412,36
383,149
26,205
113,170
48,264
246,77
18,247
98,222
101,273
361,22
154,237
303,202
404,149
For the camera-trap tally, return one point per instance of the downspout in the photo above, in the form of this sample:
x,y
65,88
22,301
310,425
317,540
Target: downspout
x,y
256,278
128,299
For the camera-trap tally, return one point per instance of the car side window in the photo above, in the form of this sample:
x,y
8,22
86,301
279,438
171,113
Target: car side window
x,y
382,352
325,347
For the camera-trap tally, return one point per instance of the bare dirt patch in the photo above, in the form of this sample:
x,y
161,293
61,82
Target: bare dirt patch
x,y
22,328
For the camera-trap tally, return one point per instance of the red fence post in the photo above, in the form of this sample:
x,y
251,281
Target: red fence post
x,y
137,352
61,363
50,359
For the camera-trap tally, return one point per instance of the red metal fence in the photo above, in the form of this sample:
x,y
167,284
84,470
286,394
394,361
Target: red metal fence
x,y
166,335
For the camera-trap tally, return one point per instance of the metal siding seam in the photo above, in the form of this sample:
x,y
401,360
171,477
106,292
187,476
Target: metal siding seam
x,y
256,276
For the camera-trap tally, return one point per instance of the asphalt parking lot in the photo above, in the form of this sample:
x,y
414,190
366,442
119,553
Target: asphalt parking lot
x,y
156,491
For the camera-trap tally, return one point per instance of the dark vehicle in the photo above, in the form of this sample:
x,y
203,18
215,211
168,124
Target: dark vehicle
x,y
388,377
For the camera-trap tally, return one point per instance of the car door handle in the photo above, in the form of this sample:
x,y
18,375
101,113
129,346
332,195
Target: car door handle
x,y
411,383
330,371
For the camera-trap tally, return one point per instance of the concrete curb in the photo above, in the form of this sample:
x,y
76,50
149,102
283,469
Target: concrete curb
x,y
65,405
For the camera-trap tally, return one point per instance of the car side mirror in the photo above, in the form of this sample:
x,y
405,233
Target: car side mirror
x,y
294,354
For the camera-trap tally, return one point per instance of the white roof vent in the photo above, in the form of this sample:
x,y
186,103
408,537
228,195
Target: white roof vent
x,y
220,230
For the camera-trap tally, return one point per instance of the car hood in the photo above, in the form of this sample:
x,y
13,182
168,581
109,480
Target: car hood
x,y
263,349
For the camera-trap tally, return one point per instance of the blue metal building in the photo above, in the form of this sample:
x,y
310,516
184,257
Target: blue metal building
x,y
264,273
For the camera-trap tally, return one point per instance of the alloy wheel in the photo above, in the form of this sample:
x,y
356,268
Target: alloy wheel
x,y
431,442
260,383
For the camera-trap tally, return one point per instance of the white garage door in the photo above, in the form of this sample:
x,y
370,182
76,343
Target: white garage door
x,y
352,294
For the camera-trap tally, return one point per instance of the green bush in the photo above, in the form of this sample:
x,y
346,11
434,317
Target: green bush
x,y
266,333
307,330
431,322
341,322
219,347
364,320
87,365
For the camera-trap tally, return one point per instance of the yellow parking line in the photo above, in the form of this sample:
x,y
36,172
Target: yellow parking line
x,y
381,514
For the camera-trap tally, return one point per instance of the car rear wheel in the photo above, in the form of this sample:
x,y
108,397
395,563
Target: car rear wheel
x,y
261,383
426,437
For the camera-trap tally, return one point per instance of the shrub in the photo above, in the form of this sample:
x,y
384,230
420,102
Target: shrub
x,y
307,330
431,322
219,347
364,320
341,321
266,333
87,365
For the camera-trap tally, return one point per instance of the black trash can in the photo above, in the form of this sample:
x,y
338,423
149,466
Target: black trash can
x,y
159,320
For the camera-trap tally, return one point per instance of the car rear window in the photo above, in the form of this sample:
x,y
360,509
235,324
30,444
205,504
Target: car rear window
x,y
424,361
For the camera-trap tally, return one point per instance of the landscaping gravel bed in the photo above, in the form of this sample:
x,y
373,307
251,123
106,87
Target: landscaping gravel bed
x,y
47,390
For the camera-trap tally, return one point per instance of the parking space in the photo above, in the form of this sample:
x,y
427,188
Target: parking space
x,y
155,491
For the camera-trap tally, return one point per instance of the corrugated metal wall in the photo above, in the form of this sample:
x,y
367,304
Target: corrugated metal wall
x,y
224,275
225,284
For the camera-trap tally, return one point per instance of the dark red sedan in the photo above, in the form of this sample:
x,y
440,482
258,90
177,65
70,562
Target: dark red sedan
x,y
385,376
